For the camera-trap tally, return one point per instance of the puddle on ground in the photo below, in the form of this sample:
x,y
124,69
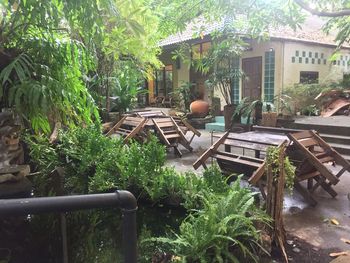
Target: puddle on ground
x,y
293,203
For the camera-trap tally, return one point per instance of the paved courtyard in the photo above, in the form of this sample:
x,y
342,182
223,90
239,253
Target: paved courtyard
x,y
312,224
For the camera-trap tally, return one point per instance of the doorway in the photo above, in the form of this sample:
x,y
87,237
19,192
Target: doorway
x,y
252,80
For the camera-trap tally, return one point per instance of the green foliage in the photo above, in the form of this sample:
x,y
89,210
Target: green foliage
x,y
301,97
246,108
221,228
94,162
126,96
290,173
51,49
186,95
272,160
284,102
222,231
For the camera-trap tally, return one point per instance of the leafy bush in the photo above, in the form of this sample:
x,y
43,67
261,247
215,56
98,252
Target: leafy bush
x,y
222,231
93,162
301,97
221,228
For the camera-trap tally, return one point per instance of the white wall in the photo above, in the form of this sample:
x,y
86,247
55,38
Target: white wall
x,y
318,54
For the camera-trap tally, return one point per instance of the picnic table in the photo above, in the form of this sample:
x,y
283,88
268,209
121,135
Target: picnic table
x,y
253,140
314,159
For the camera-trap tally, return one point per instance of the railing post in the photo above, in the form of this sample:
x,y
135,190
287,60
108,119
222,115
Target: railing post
x,y
123,199
129,236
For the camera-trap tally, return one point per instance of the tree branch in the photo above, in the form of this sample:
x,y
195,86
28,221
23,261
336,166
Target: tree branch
x,y
343,12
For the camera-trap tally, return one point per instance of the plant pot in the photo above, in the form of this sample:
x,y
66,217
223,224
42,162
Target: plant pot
x,y
199,108
269,119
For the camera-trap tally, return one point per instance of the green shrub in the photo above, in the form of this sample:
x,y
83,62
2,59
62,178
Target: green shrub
x,y
301,97
93,162
220,227
222,231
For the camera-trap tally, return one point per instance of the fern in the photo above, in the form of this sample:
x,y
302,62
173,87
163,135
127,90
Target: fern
x,y
222,231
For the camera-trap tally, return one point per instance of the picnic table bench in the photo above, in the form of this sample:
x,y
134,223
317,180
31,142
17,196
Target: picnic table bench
x,y
232,162
253,140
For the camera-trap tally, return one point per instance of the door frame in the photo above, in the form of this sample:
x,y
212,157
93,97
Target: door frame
x,y
261,74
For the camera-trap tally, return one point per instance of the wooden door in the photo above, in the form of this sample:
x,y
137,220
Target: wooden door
x,y
252,80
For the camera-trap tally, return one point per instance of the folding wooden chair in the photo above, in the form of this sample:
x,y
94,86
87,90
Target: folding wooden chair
x,y
185,126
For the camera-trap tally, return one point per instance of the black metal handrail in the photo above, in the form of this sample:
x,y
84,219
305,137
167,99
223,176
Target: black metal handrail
x,y
122,199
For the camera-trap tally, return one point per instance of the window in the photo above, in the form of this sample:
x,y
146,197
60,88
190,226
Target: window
x,y
200,50
308,77
164,81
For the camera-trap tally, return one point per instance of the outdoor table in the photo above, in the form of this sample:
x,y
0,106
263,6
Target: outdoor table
x,y
253,140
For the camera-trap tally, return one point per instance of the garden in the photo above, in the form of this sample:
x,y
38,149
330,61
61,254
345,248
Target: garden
x,y
66,67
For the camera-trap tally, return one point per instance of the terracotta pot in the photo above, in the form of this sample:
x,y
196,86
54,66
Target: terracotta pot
x,y
199,108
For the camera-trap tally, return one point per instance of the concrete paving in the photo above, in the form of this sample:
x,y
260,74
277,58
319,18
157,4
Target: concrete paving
x,y
312,224
340,120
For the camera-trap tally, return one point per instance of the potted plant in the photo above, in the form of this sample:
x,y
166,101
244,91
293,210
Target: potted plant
x,y
220,64
285,111
248,112
222,74
269,117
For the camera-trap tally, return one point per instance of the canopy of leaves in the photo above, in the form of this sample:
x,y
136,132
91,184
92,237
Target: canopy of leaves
x,y
50,48
337,13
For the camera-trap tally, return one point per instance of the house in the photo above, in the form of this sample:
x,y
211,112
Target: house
x,y
288,57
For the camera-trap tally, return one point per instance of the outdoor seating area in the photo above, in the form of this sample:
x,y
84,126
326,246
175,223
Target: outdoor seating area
x,y
315,160
182,131
162,101
170,130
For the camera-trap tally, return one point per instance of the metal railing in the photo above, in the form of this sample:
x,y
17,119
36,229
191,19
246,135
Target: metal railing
x,y
122,199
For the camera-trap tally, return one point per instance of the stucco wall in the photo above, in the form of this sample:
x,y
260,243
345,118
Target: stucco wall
x,y
183,73
290,59
258,49
311,57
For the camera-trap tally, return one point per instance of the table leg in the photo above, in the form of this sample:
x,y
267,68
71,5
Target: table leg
x,y
257,154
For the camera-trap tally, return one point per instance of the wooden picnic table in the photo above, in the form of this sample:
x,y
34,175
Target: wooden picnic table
x,y
253,140
314,159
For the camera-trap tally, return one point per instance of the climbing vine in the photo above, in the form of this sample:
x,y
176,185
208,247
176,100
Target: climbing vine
x,y
272,160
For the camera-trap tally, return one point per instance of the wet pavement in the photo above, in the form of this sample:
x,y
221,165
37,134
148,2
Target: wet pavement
x,y
312,224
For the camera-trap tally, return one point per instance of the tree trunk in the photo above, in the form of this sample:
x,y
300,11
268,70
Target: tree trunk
x,y
229,109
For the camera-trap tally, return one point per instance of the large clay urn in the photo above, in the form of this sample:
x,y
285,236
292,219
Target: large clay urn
x,y
199,108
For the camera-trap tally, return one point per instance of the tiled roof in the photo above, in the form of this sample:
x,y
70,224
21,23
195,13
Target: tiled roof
x,y
310,31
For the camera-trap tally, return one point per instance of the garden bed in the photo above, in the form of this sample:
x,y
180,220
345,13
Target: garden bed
x,y
181,215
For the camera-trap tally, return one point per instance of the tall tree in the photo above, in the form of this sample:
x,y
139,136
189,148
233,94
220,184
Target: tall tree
x,y
49,48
